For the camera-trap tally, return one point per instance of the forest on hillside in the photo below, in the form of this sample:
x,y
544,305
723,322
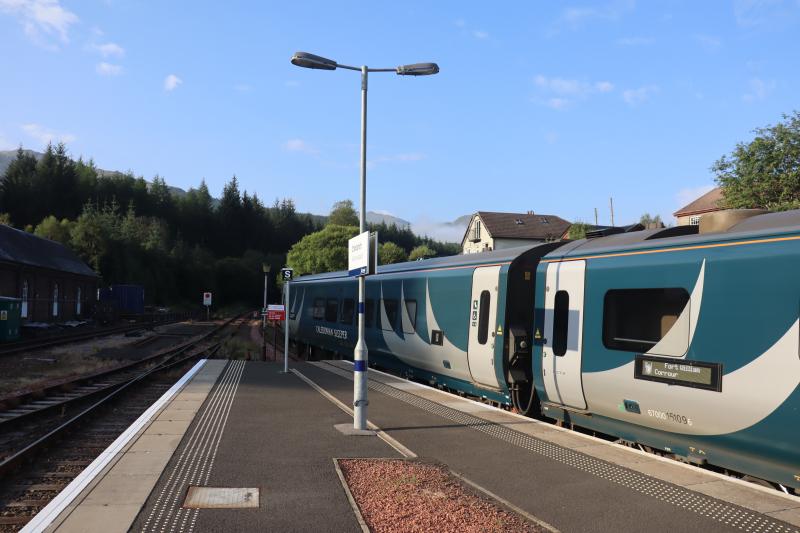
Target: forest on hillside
x,y
130,230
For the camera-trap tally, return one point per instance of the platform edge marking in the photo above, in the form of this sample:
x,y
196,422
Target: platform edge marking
x,y
52,510
391,441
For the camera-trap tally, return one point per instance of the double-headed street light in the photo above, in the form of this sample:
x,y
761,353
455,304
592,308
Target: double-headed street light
x,y
361,355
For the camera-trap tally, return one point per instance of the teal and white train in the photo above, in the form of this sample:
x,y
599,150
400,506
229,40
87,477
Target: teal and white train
x,y
684,342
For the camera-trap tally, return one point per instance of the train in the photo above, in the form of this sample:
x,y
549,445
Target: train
x,y
680,340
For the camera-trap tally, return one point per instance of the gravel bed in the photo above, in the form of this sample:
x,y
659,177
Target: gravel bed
x,y
396,495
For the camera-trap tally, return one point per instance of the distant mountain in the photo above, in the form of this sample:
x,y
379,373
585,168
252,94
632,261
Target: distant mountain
x,y
378,218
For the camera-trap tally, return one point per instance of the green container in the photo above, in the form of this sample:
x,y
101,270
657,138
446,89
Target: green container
x,y
10,311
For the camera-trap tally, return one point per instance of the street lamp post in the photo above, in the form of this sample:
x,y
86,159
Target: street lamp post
x,y
361,354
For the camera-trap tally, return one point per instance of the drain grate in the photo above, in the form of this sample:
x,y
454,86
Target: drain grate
x,y
221,498
714,509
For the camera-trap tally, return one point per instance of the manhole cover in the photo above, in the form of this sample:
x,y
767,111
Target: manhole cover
x,y
220,498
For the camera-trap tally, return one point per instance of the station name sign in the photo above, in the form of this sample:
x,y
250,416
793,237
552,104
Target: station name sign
x,y
694,374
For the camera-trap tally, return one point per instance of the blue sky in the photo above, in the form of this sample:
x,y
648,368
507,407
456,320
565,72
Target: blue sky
x,y
545,106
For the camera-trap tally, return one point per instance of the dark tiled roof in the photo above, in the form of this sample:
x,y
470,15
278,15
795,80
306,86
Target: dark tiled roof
x,y
21,247
710,201
523,225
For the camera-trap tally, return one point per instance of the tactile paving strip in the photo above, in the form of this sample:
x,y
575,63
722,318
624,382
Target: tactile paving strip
x,y
717,510
196,460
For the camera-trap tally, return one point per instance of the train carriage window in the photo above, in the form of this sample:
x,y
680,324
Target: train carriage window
x,y
369,313
318,311
411,309
635,320
331,310
560,323
348,308
483,320
391,315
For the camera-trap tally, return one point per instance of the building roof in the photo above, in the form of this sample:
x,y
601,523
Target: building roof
x,y
523,225
22,247
710,201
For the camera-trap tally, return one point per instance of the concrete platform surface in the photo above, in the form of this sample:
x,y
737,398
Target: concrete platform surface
x,y
261,429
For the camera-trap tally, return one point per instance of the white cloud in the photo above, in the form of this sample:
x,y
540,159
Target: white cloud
x,y
41,19
708,42
292,83
299,145
460,23
45,135
560,93
243,87
551,137
634,97
688,195
575,17
108,69
635,41
171,82
758,89
480,34
441,231
769,14
109,49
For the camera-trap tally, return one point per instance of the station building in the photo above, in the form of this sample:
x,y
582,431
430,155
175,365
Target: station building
x,y
52,282
690,214
488,230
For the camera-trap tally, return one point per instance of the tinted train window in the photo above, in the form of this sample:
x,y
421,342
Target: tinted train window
x,y
634,320
318,311
483,320
369,311
331,310
348,308
391,314
411,309
560,323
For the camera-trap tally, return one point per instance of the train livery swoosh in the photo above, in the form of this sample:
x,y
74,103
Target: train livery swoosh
x,y
674,342
414,351
749,393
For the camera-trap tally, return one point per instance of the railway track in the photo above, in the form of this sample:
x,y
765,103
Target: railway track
x,y
43,449
48,341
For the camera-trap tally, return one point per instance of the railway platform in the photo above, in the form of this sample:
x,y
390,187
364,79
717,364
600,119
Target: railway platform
x,y
270,440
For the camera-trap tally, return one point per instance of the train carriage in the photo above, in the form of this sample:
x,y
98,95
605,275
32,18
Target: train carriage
x,y
685,342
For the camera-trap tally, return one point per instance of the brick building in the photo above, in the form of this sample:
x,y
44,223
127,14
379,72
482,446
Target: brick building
x,y
52,282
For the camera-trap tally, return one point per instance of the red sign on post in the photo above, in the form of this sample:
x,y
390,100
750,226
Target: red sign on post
x,y
276,312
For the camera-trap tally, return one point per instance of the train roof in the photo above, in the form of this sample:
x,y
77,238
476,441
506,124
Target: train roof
x,y
453,261
760,226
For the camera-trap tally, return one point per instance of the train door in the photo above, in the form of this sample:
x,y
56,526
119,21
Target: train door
x,y
482,320
563,332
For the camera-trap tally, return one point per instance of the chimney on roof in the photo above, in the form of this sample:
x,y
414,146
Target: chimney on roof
x,y
530,212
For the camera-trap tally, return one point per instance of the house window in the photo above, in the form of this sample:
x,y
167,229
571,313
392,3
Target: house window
x,y
24,312
55,299
477,230
694,220
78,302
635,320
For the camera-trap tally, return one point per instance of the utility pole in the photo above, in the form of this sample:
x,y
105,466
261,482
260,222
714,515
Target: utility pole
x,y
611,203
595,216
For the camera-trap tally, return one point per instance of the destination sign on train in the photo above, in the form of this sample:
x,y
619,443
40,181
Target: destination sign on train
x,y
679,372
